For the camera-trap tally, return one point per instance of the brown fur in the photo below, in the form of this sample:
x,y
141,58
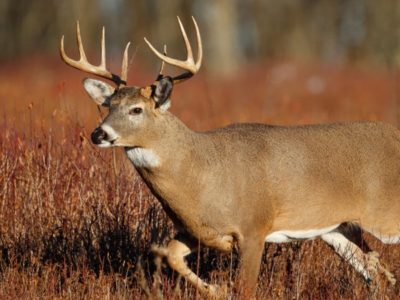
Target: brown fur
x,y
243,182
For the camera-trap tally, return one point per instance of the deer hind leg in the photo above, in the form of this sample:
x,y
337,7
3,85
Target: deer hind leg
x,y
175,253
348,243
349,251
392,238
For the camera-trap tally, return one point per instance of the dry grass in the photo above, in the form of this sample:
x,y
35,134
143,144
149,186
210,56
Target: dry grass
x,y
77,222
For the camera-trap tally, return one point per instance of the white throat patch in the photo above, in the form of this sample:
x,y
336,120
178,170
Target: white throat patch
x,y
143,158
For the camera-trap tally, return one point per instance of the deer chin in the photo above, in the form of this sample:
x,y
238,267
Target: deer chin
x,y
106,144
113,143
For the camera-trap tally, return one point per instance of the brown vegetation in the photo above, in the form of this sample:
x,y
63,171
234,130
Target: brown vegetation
x,y
77,222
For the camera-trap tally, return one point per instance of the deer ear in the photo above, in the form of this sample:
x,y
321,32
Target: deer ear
x,y
162,91
99,91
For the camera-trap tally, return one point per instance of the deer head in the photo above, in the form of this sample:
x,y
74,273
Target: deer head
x,y
134,112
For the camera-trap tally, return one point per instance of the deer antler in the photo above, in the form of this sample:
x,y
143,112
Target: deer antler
x,y
189,64
100,70
161,71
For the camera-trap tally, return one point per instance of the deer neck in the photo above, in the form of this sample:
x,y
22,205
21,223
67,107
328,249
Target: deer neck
x,y
165,154
170,167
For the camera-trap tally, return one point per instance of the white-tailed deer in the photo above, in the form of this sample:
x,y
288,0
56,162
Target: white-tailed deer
x,y
248,184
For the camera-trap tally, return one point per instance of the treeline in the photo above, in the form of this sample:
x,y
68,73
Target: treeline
x,y
234,31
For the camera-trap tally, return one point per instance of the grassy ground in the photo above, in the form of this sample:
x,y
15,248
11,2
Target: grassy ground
x,y
77,222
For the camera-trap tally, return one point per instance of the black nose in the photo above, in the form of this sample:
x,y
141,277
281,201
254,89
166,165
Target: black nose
x,y
98,135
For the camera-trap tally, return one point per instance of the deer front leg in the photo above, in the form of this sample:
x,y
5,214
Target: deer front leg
x,y
251,250
175,252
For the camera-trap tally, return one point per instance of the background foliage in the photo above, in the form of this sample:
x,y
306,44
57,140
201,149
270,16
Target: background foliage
x,y
76,221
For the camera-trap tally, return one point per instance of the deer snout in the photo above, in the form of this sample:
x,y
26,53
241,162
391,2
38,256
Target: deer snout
x,y
104,136
98,136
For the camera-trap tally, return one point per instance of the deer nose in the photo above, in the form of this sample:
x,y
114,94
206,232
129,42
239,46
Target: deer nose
x,y
98,135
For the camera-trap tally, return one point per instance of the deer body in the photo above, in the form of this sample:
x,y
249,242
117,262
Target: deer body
x,y
248,184
335,173
300,182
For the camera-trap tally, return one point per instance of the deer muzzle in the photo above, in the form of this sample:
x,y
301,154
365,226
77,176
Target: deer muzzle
x,y
99,136
104,136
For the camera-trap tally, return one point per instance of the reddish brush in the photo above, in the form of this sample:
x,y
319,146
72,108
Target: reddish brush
x,y
75,224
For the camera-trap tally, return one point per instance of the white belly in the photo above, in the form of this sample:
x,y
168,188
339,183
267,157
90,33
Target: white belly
x,y
284,236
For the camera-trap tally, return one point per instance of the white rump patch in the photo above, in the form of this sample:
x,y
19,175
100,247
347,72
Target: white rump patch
x,y
285,236
143,158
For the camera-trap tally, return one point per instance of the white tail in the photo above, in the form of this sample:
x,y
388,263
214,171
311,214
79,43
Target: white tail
x,y
251,183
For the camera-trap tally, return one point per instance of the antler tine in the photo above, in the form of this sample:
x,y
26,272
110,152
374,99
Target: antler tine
x,y
189,64
199,45
80,45
160,73
84,65
124,68
187,43
103,49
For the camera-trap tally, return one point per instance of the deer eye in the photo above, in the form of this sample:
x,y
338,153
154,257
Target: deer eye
x,y
135,111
